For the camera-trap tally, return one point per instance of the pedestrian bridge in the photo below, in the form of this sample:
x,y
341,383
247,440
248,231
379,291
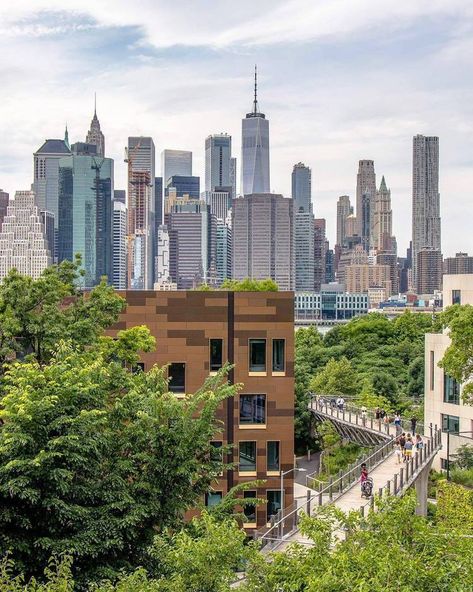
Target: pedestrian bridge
x,y
343,491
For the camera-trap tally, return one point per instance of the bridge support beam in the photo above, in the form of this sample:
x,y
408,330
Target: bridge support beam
x,y
421,485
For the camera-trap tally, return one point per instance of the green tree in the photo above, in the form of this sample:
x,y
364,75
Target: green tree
x,y
392,549
337,378
463,457
36,314
250,285
458,359
96,458
385,385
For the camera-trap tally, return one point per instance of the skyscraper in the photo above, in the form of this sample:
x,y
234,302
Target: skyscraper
x,y
303,228
425,199
192,243
46,176
175,162
163,277
255,151
320,248
22,239
119,221
301,188
365,186
262,233
220,203
218,154
85,212
382,238
141,203
429,270
233,176
4,199
95,135
184,185
223,257
120,195
344,209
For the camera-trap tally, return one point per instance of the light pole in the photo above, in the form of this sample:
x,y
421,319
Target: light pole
x,y
282,482
448,448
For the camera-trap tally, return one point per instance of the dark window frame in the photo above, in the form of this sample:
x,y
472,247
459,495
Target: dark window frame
x,y
268,503
446,423
250,511
255,366
271,469
218,494
255,409
456,297
177,389
451,390
250,468
273,351
216,365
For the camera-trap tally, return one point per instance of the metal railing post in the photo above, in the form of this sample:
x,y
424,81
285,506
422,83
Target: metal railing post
x,y
401,477
380,492
395,484
308,503
330,492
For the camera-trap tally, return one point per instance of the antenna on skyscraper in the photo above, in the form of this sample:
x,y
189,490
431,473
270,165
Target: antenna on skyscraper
x,y
95,103
255,102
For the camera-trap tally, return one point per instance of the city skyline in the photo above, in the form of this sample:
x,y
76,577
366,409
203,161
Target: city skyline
x,y
204,85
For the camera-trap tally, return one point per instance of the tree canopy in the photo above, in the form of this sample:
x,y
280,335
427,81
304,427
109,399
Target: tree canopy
x,y
458,359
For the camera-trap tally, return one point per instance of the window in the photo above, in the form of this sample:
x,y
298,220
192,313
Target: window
x,y
432,370
278,355
272,456
252,409
257,355
450,423
177,377
451,390
249,511
273,503
216,354
443,464
140,367
212,498
456,297
247,463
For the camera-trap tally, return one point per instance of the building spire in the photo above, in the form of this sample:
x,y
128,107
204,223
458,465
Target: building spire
x,y
95,104
255,102
66,137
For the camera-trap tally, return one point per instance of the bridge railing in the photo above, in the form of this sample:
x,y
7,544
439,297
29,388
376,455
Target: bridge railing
x,y
286,522
358,417
352,473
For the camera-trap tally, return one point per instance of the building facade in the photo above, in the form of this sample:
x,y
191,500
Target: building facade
x,y
85,213
263,246
4,200
141,204
365,186
429,271
23,244
360,277
184,185
196,333
461,263
320,252
304,251
382,219
95,135
223,257
192,244
301,181
220,203
331,303
218,155
344,209
119,221
425,199
175,162
255,151
443,405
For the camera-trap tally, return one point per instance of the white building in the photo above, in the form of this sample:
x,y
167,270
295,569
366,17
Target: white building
x,y
23,244
442,402
119,221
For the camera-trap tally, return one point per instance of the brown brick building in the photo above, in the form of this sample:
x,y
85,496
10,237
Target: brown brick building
x,y
196,332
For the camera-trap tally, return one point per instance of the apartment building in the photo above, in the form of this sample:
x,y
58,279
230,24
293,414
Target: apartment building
x,y
196,333
442,402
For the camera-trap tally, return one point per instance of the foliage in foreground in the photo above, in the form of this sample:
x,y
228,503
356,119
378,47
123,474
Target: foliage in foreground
x,y
96,458
391,550
458,359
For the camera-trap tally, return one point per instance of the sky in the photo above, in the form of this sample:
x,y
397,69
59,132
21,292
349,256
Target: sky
x,y
339,80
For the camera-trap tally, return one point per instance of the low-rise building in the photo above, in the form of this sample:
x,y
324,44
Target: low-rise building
x,y
443,404
332,302
196,333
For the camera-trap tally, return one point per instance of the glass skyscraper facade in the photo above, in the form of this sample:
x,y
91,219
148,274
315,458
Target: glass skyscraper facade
x,y
85,214
218,154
